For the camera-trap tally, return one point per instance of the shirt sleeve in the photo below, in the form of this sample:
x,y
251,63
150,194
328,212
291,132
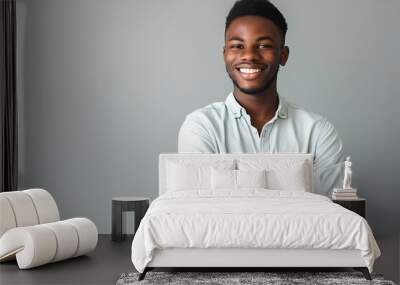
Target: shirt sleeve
x,y
328,160
194,137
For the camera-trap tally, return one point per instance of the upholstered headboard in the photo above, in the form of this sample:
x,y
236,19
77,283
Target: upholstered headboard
x,y
279,159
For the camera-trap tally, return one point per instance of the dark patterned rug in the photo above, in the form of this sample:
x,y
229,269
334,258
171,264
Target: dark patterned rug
x,y
270,278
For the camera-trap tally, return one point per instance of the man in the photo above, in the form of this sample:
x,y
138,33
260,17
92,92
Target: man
x,y
255,118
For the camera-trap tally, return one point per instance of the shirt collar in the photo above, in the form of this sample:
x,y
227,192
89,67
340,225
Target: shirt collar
x,y
237,110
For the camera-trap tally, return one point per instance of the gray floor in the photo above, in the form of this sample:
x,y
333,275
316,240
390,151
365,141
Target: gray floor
x,y
102,266
110,259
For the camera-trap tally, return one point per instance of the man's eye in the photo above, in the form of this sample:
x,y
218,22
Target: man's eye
x,y
266,46
236,46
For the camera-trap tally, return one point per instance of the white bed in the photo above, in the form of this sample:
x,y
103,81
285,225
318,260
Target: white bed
x,y
200,220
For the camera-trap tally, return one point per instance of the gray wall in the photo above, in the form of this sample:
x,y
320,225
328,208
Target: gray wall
x,y
105,85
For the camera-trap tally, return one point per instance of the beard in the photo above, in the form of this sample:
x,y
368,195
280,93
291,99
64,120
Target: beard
x,y
255,91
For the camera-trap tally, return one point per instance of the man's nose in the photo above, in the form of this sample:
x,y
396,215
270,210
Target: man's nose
x,y
250,54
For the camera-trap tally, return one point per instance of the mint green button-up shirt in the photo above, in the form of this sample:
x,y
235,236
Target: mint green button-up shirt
x,y
225,127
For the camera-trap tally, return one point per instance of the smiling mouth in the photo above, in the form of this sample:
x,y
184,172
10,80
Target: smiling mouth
x,y
249,70
249,73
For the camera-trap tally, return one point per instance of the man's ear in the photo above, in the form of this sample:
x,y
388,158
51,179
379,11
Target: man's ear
x,y
284,55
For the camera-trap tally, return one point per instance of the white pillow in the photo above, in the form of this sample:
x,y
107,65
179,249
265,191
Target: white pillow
x,y
293,179
193,174
282,174
251,178
181,177
223,179
237,179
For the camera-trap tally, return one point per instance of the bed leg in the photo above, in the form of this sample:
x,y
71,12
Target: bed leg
x,y
364,271
143,274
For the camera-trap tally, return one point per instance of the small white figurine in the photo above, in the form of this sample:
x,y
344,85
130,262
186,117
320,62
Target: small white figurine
x,y
347,174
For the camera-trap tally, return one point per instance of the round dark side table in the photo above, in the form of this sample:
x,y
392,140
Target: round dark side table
x,y
123,204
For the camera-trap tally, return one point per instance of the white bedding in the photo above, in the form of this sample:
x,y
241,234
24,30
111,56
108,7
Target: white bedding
x,y
250,218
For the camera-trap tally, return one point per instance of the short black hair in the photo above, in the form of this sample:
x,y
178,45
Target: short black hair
x,y
262,8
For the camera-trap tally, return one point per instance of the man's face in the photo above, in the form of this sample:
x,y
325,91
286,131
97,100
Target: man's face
x,y
253,52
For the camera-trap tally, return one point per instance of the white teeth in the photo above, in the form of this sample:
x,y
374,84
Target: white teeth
x,y
249,70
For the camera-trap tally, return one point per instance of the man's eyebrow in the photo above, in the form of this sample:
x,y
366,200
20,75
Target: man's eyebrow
x,y
265,38
234,38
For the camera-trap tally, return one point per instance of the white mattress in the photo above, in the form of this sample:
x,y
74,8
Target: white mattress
x,y
251,218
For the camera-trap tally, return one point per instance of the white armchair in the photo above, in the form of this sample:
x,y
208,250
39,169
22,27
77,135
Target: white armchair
x,y
31,230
